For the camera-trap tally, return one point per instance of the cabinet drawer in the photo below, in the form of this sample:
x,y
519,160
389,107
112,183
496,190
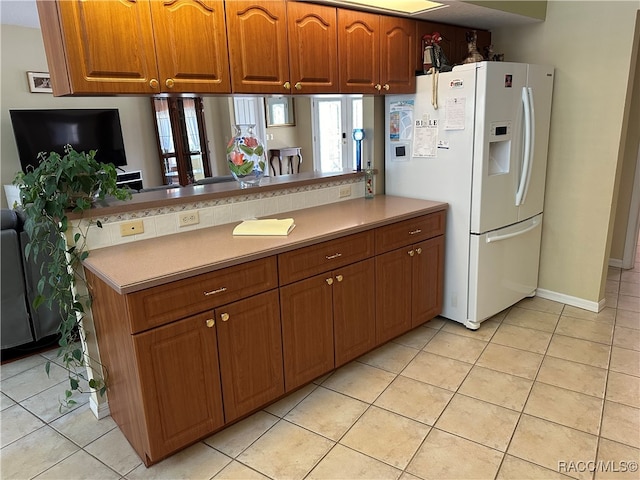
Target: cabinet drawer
x,y
158,305
308,261
409,231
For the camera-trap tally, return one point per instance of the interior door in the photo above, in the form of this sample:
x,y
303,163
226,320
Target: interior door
x,y
497,145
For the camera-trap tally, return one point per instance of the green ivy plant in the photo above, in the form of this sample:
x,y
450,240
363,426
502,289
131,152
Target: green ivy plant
x,y
58,185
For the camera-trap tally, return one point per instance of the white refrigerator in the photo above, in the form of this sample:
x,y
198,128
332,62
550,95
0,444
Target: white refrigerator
x,y
476,137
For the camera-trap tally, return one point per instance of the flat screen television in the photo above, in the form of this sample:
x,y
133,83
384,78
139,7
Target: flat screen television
x,y
84,129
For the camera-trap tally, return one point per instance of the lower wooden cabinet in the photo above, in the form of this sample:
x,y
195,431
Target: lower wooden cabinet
x,y
327,321
354,314
250,352
427,278
307,329
187,358
409,282
180,383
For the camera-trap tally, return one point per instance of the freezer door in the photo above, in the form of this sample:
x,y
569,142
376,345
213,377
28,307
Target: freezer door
x,y
497,145
503,268
539,91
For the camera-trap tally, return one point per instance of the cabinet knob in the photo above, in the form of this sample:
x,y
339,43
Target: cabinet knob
x,y
339,278
418,250
153,83
210,322
411,253
224,317
298,86
329,280
169,83
287,86
386,86
378,87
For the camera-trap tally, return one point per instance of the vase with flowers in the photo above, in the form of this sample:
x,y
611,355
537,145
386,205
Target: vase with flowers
x,y
245,156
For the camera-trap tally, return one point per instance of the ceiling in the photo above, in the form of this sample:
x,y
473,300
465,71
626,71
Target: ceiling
x,y
24,13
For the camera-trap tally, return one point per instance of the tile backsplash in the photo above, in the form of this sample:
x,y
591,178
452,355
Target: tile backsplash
x,y
165,220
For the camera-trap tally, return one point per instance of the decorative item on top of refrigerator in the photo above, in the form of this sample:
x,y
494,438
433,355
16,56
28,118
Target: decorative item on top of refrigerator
x,y
477,139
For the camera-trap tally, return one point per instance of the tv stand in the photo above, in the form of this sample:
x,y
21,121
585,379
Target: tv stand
x,y
132,179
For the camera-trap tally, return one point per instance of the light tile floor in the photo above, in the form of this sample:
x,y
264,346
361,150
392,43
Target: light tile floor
x,y
543,390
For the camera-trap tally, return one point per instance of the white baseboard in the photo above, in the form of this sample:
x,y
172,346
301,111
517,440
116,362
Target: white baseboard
x,y
99,410
573,301
615,262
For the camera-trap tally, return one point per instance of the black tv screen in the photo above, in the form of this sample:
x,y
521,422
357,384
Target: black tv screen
x,y
84,129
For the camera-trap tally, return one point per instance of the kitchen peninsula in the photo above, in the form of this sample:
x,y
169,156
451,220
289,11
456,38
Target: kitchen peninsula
x,y
231,324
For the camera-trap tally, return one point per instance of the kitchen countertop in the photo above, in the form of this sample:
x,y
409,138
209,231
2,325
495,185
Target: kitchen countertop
x,y
135,266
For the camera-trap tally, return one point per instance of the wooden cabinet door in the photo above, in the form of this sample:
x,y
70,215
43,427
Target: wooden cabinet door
x,y
307,329
354,316
179,382
313,48
393,294
107,46
191,46
250,350
359,47
448,43
397,54
428,278
258,46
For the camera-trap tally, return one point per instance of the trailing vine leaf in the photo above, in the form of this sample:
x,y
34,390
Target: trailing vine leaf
x,y
56,186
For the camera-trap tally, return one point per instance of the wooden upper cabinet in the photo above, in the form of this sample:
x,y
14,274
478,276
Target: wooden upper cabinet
x,y
313,48
98,47
359,47
258,48
191,46
377,53
454,41
141,46
397,50
448,43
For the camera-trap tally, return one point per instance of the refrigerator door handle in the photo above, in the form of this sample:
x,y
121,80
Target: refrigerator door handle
x,y
529,141
497,237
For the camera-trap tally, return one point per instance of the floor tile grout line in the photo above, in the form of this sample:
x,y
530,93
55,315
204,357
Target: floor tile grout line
x,y
524,405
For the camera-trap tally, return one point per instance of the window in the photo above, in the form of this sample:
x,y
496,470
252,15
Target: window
x,y
334,119
182,139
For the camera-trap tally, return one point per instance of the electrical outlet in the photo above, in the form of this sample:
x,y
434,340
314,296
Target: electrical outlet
x,y
345,191
133,227
189,218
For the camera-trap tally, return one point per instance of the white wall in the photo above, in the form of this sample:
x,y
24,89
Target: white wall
x,y
21,51
590,45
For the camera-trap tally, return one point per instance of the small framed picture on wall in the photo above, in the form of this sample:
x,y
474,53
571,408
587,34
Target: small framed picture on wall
x,y
39,82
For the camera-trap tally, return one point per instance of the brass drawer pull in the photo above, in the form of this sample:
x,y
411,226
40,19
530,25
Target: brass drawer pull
x,y
418,250
329,280
210,322
335,255
339,278
417,230
224,317
411,253
213,292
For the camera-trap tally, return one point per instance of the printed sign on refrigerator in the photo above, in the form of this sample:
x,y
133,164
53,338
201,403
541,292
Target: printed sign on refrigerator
x,y
400,120
425,138
454,113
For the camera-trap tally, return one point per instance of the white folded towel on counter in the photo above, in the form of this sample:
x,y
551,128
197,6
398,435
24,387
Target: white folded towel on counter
x,y
266,226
